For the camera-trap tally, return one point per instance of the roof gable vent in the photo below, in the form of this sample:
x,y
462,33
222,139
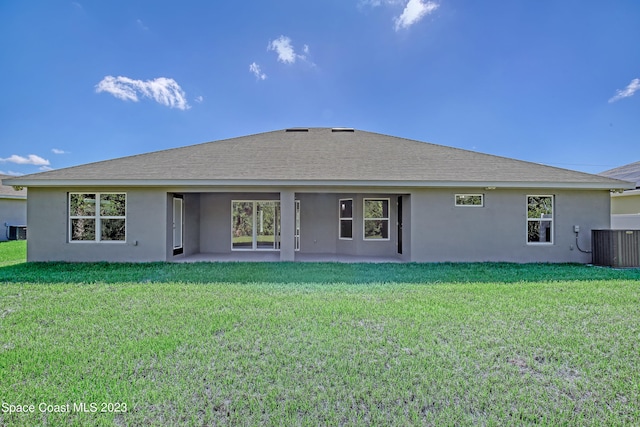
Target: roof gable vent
x,y
297,130
342,130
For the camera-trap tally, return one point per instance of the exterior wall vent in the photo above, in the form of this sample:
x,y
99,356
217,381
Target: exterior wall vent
x,y
342,130
616,248
297,130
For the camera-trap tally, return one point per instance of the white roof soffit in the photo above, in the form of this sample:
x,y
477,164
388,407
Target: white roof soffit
x,y
621,185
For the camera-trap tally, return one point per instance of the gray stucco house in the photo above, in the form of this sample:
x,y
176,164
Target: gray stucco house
x,y
13,208
318,193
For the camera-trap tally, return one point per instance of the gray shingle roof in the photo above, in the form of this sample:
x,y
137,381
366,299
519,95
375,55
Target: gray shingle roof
x,y
319,154
8,192
630,172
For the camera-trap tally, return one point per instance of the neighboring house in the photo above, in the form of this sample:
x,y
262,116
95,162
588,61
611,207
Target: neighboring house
x,y
319,193
13,208
625,205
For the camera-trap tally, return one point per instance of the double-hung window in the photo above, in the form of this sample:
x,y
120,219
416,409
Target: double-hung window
x,y
376,219
346,218
97,217
540,219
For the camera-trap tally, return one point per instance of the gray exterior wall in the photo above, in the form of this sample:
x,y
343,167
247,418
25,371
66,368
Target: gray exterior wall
x,y
358,245
192,224
215,219
48,228
318,223
441,232
434,229
12,212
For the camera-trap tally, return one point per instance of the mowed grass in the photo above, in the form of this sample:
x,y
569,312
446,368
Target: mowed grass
x,y
300,350
13,252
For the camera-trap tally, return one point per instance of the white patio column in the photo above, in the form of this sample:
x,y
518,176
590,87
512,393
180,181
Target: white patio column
x,y
287,225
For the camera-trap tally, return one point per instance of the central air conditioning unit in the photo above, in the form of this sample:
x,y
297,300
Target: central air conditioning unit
x,y
17,232
616,248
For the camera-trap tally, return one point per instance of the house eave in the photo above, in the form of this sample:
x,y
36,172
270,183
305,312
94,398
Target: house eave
x,y
628,193
234,183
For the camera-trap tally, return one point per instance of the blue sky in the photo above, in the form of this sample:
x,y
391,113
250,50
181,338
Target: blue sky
x,y
545,81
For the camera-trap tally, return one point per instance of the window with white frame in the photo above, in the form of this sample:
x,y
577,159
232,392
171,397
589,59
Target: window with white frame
x,y
540,219
472,200
346,218
255,224
376,219
97,217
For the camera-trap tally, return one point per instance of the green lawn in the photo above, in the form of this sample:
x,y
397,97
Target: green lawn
x,y
13,252
320,344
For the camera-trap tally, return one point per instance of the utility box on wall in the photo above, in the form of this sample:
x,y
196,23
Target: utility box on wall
x,y
17,232
616,248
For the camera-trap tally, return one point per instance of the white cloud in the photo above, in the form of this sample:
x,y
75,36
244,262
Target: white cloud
x,y
122,88
413,12
31,159
12,173
162,90
627,91
199,99
57,151
282,46
45,168
286,53
255,69
376,3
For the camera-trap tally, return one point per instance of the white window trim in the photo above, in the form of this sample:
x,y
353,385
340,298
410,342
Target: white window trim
x,y
481,205
552,220
340,219
296,244
180,248
97,218
388,219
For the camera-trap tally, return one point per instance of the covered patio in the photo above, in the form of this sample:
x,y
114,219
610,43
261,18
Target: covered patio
x,y
323,225
275,257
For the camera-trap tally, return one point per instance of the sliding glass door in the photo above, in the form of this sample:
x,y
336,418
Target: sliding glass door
x,y
242,225
255,225
268,225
